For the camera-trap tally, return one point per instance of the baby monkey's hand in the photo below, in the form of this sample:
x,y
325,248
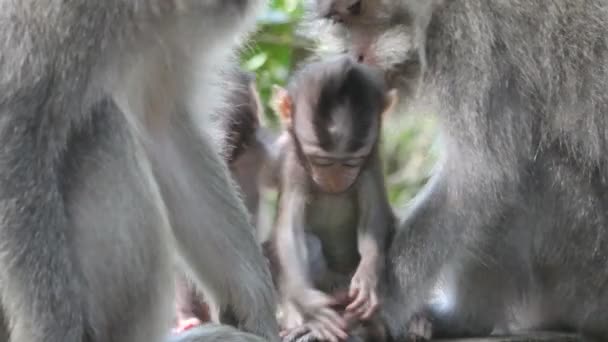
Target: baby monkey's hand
x,y
322,321
363,295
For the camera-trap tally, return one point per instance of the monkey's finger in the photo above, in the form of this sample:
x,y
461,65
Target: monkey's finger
x,y
324,323
354,289
331,315
315,330
371,308
419,329
309,337
359,301
324,334
294,334
332,322
368,308
332,332
360,312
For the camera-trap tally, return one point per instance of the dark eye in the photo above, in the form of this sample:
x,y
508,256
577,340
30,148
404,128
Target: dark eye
x,y
355,9
321,162
355,162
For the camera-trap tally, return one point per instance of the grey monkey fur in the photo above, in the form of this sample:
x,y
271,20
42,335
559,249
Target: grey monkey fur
x,y
214,333
107,177
513,225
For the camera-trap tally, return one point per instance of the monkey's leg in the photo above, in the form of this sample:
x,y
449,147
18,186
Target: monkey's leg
x,y
212,227
42,288
443,229
469,302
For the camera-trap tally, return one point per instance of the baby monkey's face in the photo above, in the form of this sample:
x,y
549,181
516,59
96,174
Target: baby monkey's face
x,y
334,158
334,174
334,110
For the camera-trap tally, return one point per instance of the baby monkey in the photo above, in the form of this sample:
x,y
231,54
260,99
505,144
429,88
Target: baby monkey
x,y
334,220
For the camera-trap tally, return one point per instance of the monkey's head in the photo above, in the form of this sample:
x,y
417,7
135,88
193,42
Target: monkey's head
x,y
388,34
333,111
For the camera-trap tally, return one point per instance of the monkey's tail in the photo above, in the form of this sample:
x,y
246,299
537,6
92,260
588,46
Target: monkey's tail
x,y
212,332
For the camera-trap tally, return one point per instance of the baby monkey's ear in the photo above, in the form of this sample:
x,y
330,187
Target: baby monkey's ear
x,y
390,102
282,104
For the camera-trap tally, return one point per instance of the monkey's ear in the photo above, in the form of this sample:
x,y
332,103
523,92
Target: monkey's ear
x,y
391,99
281,103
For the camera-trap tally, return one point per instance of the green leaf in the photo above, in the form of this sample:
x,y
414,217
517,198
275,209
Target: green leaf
x,y
256,62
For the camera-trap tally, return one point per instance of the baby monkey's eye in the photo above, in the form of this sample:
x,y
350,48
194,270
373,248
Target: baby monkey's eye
x,y
355,162
355,9
321,162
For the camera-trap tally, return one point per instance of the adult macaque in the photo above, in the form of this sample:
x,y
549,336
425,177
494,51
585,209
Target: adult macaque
x,y
106,180
246,148
332,201
514,223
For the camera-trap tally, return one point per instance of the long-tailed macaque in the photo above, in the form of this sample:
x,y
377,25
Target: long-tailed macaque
x,y
107,177
246,148
513,226
334,220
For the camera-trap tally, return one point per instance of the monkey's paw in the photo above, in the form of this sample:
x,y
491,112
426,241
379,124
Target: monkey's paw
x,y
299,334
321,318
419,329
364,299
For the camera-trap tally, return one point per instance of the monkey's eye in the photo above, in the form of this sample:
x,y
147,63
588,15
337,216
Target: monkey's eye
x,y
355,162
355,9
321,162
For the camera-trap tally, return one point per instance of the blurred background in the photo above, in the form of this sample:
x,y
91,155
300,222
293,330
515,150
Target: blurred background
x,y
408,138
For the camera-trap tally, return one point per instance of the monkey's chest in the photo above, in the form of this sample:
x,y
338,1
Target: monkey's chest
x,y
333,219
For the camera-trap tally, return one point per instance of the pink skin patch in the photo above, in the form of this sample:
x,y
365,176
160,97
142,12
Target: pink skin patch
x,y
186,324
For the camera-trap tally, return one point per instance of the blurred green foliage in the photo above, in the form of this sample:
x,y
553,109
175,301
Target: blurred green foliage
x,y
408,140
275,48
